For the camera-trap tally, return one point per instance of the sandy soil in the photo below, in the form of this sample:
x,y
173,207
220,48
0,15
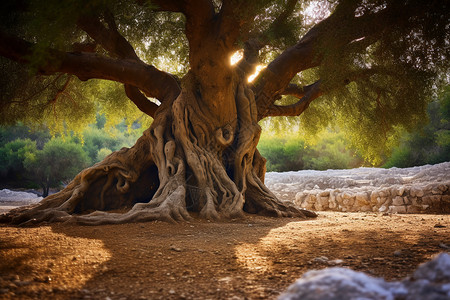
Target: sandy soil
x,y
251,258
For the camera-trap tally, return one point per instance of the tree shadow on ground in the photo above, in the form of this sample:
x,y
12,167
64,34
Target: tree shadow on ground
x,y
255,257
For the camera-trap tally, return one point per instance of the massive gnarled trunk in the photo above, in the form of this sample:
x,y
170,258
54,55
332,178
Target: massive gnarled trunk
x,y
198,158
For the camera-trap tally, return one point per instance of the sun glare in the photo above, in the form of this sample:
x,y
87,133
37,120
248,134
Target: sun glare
x,y
236,57
259,68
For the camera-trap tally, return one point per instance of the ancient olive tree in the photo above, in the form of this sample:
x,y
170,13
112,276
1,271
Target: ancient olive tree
x,y
370,64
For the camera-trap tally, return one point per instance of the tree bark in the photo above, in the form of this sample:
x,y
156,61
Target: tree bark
x,y
199,156
188,163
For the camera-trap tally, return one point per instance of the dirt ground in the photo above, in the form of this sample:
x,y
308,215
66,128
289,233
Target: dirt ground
x,y
250,258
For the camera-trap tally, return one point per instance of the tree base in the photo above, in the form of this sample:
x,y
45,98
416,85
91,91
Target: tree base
x,y
187,161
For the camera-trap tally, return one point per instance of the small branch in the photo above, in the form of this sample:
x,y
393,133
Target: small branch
x,y
84,47
167,5
61,90
109,38
281,19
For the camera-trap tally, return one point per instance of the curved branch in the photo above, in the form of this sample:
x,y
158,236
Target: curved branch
x,y
112,41
312,92
140,100
150,80
109,38
253,44
295,90
355,32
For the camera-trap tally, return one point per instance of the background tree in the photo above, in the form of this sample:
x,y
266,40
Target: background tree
x,y
12,157
430,143
368,66
58,161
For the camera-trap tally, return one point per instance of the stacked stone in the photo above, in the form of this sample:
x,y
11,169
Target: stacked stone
x,y
405,198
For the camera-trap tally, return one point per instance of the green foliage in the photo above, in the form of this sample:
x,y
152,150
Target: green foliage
x,y
31,156
102,153
40,135
58,161
12,157
429,144
294,153
95,139
331,152
281,154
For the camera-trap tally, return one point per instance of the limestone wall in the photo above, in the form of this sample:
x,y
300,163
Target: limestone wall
x,y
432,197
396,190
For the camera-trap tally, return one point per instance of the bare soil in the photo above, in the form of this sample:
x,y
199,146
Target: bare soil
x,y
250,258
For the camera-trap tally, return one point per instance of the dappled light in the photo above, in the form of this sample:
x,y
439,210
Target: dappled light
x,y
253,258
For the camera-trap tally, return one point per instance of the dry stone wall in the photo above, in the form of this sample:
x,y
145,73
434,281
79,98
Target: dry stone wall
x,y
396,199
424,189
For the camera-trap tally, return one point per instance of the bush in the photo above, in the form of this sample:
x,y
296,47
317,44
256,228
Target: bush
x,y
282,155
102,153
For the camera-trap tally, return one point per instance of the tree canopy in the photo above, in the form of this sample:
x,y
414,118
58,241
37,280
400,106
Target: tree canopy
x,y
374,63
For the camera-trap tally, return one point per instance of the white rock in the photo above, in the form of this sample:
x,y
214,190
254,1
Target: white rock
x,y
398,201
430,281
341,283
397,209
362,198
437,270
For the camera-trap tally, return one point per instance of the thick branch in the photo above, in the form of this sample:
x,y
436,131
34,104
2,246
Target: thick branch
x,y
308,52
109,38
253,44
112,41
312,92
153,82
140,100
295,90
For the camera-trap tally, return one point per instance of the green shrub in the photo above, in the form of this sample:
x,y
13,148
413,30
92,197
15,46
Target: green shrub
x,y
102,153
12,156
